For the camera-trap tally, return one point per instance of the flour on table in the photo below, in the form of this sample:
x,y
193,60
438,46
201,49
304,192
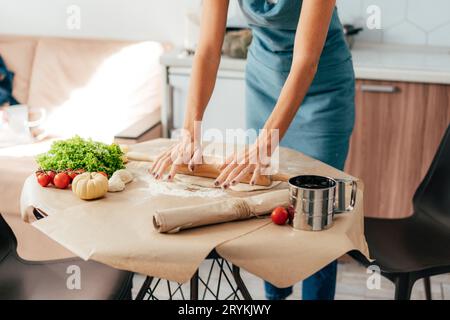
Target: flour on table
x,y
181,189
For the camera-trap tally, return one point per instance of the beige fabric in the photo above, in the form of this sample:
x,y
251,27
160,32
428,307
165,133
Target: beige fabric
x,y
107,84
118,229
33,245
16,164
18,54
173,220
13,172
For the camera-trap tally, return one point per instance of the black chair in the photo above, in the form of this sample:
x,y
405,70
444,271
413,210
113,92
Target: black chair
x,y
416,247
26,280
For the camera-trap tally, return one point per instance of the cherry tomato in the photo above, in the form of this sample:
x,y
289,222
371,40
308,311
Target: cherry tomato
x,y
61,180
279,215
72,174
43,179
103,173
52,175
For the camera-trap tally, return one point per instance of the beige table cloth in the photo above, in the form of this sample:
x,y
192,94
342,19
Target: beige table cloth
x,y
118,230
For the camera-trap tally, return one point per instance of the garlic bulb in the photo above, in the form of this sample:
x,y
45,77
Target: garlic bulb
x,y
124,175
115,184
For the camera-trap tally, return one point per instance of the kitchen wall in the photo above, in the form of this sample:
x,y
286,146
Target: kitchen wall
x,y
415,22
160,20
118,19
419,22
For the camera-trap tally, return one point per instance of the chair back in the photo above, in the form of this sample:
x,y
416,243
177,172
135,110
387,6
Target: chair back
x,y
432,197
8,241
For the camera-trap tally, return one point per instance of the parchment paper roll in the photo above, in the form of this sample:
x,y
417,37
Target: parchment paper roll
x,y
176,219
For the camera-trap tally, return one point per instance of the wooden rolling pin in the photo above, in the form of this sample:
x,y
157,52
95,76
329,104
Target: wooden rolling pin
x,y
209,170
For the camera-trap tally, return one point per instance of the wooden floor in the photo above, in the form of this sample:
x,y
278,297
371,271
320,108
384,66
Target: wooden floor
x,y
351,285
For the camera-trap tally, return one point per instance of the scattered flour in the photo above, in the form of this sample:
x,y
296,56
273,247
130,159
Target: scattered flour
x,y
180,190
176,188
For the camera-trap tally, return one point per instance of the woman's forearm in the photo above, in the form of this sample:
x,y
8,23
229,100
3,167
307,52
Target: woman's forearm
x,y
201,86
206,60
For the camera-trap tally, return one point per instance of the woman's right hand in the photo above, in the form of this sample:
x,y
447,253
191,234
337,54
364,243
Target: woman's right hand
x,y
186,151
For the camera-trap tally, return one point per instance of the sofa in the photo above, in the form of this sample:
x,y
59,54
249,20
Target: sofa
x,y
104,89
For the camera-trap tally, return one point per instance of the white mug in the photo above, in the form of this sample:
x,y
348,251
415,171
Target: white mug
x,y
16,125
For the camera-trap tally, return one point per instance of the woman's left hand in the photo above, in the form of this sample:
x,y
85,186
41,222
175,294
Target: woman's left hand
x,y
252,160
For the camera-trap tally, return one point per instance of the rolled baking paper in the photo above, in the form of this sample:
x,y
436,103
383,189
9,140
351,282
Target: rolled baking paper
x,y
176,219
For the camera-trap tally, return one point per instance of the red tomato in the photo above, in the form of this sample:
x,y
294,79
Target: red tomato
x,y
43,179
72,174
279,215
103,173
61,180
52,175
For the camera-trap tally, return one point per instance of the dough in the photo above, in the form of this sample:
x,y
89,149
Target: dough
x,y
191,181
125,175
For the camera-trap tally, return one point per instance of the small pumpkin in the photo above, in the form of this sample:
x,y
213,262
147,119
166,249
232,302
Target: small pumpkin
x,y
90,185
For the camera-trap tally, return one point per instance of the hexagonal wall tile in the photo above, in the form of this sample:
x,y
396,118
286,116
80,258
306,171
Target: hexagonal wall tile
x,y
392,11
406,33
428,14
349,10
440,36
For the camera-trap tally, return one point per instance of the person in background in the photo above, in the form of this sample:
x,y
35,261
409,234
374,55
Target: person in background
x,y
6,85
299,82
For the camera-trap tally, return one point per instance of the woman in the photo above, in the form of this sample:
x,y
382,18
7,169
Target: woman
x,y
300,81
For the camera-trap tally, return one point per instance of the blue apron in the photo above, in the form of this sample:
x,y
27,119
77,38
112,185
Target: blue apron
x,y
324,122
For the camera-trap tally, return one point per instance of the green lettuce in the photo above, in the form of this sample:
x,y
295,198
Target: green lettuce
x,y
79,153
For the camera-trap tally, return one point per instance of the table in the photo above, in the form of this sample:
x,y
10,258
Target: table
x,y
217,261
118,230
148,288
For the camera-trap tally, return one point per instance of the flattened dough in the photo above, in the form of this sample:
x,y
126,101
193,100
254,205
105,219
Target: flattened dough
x,y
191,181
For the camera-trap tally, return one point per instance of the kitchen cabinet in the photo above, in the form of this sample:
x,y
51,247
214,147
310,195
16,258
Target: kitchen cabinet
x,y
226,108
398,128
227,104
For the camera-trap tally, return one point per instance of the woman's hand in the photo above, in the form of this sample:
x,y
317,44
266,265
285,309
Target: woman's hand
x,y
253,160
186,151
